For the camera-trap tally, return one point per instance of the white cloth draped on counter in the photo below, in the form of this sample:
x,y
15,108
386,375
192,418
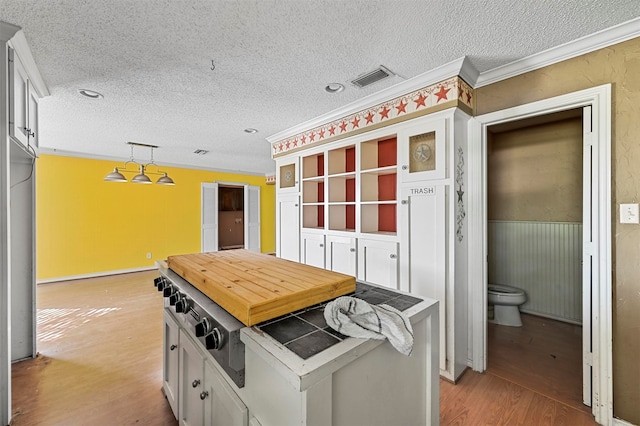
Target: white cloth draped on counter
x,y
357,318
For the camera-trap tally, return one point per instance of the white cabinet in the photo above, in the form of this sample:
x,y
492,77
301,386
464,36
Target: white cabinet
x,y
378,262
395,198
170,361
287,176
221,404
312,249
423,149
433,256
23,105
197,392
424,256
191,411
288,220
342,255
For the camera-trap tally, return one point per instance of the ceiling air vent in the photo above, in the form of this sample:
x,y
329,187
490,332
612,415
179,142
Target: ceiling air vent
x,y
371,77
200,151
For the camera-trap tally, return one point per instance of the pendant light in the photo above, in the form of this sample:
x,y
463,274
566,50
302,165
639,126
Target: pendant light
x,y
142,169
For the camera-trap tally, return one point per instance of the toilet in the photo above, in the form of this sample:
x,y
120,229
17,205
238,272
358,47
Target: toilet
x,y
505,301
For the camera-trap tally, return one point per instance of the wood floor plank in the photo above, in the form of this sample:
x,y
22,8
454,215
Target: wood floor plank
x,y
543,355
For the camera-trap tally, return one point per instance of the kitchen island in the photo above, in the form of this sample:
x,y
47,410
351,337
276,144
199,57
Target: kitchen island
x,y
295,369
354,382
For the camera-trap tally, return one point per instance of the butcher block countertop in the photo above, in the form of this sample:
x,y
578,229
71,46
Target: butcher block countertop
x,y
255,287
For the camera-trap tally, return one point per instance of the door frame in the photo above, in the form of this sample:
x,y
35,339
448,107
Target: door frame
x,y
251,239
599,98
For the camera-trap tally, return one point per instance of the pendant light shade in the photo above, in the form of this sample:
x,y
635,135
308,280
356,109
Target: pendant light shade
x,y
141,177
115,176
142,169
165,180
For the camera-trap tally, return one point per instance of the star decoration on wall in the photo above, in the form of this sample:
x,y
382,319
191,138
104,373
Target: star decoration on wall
x,y
442,94
402,107
420,101
369,117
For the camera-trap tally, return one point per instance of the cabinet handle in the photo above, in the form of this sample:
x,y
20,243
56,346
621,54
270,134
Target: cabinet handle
x,y
352,250
172,347
404,202
405,167
393,256
204,395
195,383
321,245
295,205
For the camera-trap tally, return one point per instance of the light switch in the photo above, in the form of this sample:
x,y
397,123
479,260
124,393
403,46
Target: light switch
x,y
629,213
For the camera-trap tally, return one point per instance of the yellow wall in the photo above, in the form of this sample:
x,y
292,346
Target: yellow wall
x,y
620,66
85,225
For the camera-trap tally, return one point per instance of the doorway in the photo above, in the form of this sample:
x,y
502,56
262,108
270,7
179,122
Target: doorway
x,y
230,216
534,230
596,244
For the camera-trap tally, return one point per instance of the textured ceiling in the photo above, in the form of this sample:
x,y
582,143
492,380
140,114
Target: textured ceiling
x,y
151,59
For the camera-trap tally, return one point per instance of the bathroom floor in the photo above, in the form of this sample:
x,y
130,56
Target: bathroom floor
x,y
543,355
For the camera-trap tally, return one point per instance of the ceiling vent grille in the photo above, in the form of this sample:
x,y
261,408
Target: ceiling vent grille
x,y
371,77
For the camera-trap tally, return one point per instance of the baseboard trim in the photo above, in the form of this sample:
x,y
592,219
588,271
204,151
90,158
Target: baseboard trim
x,y
620,422
95,275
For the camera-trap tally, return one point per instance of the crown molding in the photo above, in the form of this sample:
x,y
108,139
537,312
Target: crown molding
x,y
590,43
75,154
460,67
7,31
19,43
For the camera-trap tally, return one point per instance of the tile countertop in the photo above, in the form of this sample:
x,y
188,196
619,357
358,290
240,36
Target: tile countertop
x,y
304,348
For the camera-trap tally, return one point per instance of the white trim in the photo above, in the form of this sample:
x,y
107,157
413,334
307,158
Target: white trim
x,y
600,99
592,42
459,67
620,422
74,154
19,43
7,31
96,274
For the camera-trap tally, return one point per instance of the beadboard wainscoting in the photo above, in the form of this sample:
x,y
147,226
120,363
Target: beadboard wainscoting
x,y
542,258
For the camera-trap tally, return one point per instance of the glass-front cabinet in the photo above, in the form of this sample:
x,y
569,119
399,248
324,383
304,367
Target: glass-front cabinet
x,y
423,153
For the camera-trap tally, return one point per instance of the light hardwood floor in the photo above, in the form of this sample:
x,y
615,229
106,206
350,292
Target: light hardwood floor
x,y
100,363
100,356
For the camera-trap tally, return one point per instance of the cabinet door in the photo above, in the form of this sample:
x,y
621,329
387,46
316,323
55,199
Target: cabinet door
x,y
423,148
34,124
18,100
222,406
288,175
341,255
191,408
288,232
378,262
424,255
171,338
312,249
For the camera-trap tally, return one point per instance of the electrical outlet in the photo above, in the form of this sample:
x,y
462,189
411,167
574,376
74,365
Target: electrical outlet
x,y
149,255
